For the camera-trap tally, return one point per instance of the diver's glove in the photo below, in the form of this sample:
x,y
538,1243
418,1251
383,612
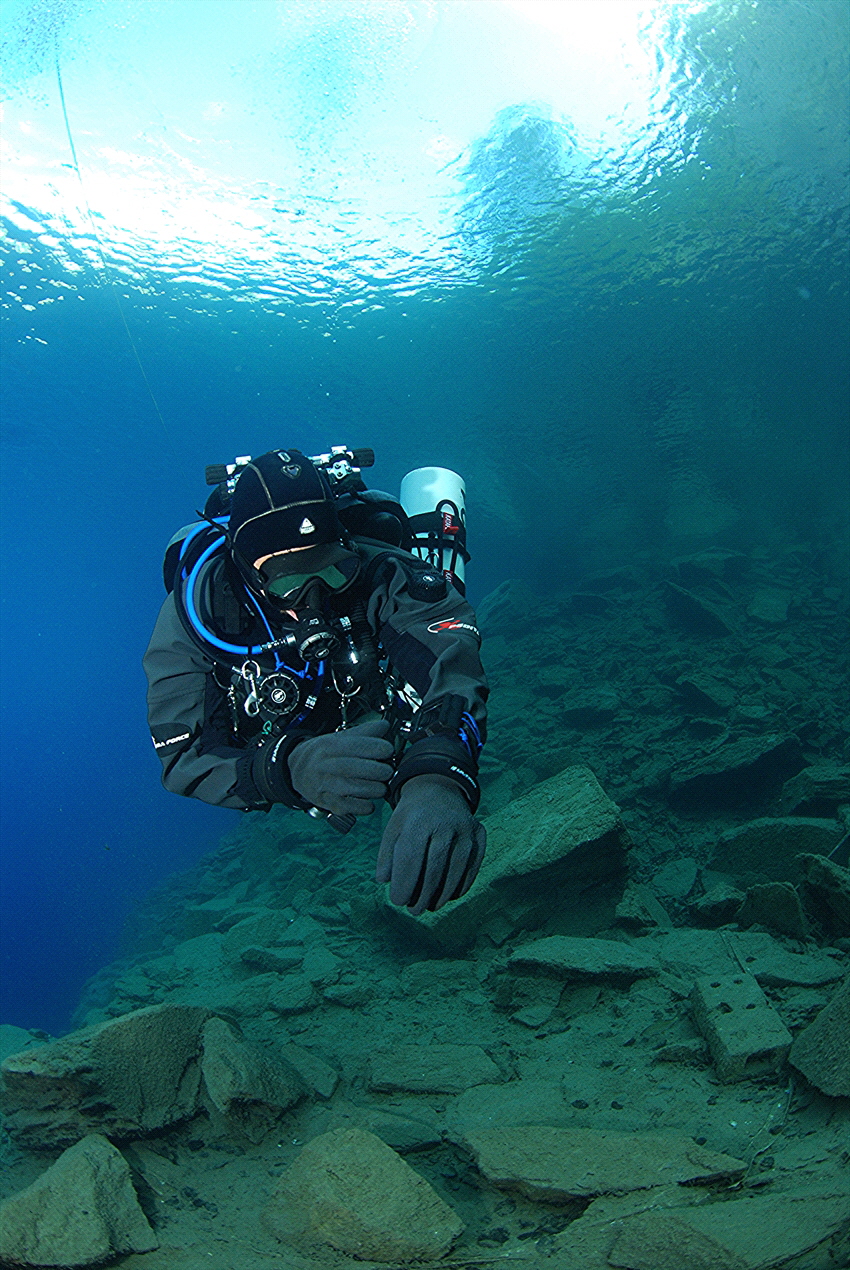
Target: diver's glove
x,y
432,847
344,772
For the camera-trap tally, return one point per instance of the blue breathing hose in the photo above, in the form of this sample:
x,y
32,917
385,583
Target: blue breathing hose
x,y
236,649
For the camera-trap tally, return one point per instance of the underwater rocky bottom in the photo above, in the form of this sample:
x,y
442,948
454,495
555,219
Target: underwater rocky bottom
x,y
628,1046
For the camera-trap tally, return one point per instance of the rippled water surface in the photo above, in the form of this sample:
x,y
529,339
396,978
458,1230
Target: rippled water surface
x,y
592,254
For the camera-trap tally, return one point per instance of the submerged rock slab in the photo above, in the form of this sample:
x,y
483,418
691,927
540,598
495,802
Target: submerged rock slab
x,y
124,1078
431,1069
576,960
555,1164
519,1102
740,1234
701,952
771,845
81,1212
736,774
822,1050
556,858
349,1190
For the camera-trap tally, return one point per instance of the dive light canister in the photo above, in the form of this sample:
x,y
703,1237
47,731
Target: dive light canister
x,y
435,501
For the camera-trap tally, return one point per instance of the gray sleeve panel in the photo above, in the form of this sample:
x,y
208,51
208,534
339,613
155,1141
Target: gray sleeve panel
x,y
433,645
187,714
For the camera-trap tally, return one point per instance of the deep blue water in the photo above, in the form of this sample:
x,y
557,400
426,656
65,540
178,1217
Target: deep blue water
x,y
407,226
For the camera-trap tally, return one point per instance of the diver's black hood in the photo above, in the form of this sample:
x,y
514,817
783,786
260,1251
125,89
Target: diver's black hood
x,y
281,501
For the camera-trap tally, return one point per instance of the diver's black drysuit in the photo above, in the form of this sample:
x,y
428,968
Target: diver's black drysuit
x,y
425,634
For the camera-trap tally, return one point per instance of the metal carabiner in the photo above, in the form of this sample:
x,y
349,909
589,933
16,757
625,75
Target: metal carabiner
x,y
250,672
344,698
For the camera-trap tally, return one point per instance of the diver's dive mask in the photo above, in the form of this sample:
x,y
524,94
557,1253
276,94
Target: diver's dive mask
x,y
291,575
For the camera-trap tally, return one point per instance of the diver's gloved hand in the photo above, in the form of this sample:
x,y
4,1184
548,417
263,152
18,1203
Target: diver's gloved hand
x,y
344,772
432,847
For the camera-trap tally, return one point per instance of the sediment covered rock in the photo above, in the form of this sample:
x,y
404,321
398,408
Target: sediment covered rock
x,y
770,846
574,960
556,858
81,1212
349,1190
741,1234
435,1068
124,1078
556,1164
249,1089
822,1050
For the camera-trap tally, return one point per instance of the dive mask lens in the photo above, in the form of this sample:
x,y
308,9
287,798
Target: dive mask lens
x,y
286,585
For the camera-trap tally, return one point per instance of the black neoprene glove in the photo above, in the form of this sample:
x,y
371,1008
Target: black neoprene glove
x,y
432,847
344,772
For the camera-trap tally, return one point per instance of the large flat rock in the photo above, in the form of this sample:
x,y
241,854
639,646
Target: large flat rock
x,y
741,1234
555,1164
770,846
348,1190
578,960
556,862
519,1102
442,1068
81,1212
689,953
124,1078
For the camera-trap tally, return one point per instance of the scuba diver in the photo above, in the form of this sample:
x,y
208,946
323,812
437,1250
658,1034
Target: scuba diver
x,y
315,650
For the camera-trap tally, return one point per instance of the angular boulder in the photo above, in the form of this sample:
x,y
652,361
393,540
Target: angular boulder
x,y
736,774
770,846
81,1212
826,890
556,860
640,910
770,606
817,791
250,1090
822,1050
776,905
349,1190
718,905
695,615
554,1164
124,1078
